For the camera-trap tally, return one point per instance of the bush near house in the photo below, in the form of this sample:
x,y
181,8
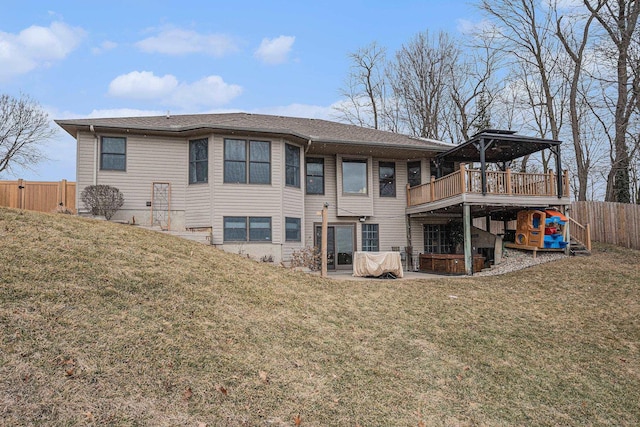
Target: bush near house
x,y
102,200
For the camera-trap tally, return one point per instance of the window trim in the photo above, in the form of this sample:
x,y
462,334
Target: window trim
x,y
194,162
247,162
298,222
315,160
365,240
102,153
296,166
366,176
392,180
247,229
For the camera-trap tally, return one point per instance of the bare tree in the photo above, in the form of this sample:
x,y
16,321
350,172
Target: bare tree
x,y
575,42
528,37
365,89
473,87
23,127
619,20
420,78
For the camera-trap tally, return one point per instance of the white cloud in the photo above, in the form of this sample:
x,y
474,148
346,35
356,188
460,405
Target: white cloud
x,y
37,46
104,46
210,91
142,85
175,41
275,51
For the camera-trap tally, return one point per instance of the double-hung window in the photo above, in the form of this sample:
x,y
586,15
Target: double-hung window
x,y
292,165
113,153
292,229
315,175
370,238
198,161
387,179
247,161
243,229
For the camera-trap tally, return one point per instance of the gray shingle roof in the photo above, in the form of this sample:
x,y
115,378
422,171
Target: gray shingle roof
x,y
316,130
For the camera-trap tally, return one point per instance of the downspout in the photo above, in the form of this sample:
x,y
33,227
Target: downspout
x,y
95,154
308,146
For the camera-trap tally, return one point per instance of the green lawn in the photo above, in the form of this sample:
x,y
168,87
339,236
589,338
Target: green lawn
x,y
107,324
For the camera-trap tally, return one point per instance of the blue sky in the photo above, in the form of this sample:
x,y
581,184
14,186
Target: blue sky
x,y
113,58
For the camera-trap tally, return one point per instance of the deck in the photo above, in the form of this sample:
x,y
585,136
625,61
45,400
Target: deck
x,y
498,188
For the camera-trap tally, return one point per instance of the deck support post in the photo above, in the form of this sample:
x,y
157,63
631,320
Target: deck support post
x,y
323,240
556,150
483,167
468,255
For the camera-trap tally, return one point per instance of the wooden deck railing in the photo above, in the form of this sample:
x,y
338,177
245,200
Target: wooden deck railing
x,y
497,183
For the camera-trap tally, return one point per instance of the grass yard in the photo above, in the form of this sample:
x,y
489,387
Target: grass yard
x,y
107,324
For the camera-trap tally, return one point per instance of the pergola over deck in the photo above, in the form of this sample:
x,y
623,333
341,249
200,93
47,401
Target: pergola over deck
x,y
492,190
481,192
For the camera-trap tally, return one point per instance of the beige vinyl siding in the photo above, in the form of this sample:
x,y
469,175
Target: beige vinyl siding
x,y
85,164
354,204
198,204
389,211
313,203
198,195
292,206
150,159
246,200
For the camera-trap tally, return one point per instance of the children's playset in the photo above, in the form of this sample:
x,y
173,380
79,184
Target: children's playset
x,y
541,229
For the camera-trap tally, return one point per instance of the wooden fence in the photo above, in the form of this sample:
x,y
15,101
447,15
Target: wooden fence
x,y
38,196
614,223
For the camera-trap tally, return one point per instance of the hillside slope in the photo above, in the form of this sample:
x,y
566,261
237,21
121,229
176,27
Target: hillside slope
x,y
103,323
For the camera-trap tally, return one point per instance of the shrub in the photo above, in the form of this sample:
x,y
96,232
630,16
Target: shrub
x,y
308,257
103,200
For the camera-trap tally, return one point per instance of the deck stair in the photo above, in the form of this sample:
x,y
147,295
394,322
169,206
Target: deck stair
x,y
580,239
577,248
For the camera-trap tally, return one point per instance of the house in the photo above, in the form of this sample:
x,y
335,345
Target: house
x,y
257,182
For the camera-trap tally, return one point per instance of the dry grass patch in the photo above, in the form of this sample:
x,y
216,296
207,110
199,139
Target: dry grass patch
x,y
110,324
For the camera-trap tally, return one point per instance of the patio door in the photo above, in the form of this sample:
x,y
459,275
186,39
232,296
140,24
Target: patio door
x,y
340,246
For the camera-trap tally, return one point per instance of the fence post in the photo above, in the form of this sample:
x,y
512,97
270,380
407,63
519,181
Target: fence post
x,y
20,194
509,181
408,195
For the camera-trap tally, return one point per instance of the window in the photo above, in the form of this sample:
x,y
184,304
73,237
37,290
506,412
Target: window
x,y
259,229
414,170
292,165
387,179
437,239
113,153
235,229
198,161
370,239
354,176
315,175
292,230
240,168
